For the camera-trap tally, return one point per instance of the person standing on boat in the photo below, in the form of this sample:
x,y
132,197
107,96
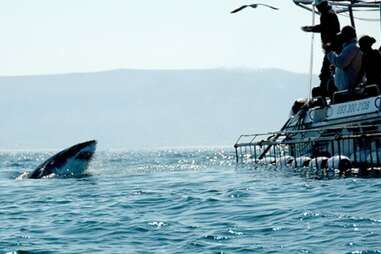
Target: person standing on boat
x,y
371,62
348,63
328,28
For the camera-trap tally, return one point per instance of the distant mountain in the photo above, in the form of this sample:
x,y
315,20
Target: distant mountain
x,y
145,108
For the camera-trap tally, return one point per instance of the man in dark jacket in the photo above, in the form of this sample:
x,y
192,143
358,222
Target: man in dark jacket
x,y
371,64
328,28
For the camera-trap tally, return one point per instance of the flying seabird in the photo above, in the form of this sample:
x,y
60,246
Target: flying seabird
x,y
253,6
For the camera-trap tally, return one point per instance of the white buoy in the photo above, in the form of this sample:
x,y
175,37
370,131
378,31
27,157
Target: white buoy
x,y
339,162
301,162
284,161
267,160
319,163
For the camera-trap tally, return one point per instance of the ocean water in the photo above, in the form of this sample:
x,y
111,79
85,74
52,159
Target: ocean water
x,y
184,201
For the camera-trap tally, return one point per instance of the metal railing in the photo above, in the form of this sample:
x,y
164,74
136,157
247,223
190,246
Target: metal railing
x,y
362,144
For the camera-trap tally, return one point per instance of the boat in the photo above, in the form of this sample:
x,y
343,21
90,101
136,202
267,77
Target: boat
x,y
341,133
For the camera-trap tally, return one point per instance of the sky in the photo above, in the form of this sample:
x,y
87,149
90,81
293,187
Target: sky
x,y
66,36
51,36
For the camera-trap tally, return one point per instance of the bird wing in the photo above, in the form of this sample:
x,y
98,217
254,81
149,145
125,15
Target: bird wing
x,y
272,7
239,9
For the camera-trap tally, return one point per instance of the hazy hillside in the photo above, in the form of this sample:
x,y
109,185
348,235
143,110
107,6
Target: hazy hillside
x,y
144,108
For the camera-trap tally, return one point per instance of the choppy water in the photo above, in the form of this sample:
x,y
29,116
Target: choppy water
x,y
184,201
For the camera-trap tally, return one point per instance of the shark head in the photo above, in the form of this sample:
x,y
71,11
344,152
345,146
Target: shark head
x,y
72,161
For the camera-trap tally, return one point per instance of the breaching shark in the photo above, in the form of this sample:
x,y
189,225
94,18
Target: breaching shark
x,y
71,162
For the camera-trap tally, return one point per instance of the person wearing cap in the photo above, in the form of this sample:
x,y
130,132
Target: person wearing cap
x,y
348,63
371,61
328,28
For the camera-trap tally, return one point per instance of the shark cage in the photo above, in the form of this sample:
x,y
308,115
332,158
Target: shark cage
x,y
345,150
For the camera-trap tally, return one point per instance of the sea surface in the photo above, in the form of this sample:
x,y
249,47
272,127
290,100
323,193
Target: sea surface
x,y
184,201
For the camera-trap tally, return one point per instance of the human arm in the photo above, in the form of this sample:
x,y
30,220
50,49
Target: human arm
x,y
345,58
314,29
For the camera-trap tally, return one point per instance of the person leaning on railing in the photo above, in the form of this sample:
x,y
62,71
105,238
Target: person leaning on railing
x,y
348,62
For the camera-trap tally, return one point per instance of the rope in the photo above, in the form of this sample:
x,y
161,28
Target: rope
x,y
311,54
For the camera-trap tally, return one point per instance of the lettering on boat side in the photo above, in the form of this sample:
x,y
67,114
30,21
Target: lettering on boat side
x,y
353,108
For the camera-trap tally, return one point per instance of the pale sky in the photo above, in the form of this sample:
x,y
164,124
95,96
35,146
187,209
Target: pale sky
x,y
51,36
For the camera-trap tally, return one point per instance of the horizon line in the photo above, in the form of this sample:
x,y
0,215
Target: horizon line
x,y
242,69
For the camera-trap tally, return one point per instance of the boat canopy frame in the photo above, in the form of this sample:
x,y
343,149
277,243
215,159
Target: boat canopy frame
x,y
345,6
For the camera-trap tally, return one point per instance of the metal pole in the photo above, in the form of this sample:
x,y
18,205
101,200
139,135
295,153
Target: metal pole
x,y
378,157
351,15
339,148
236,154
311,55
370,154
354,152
